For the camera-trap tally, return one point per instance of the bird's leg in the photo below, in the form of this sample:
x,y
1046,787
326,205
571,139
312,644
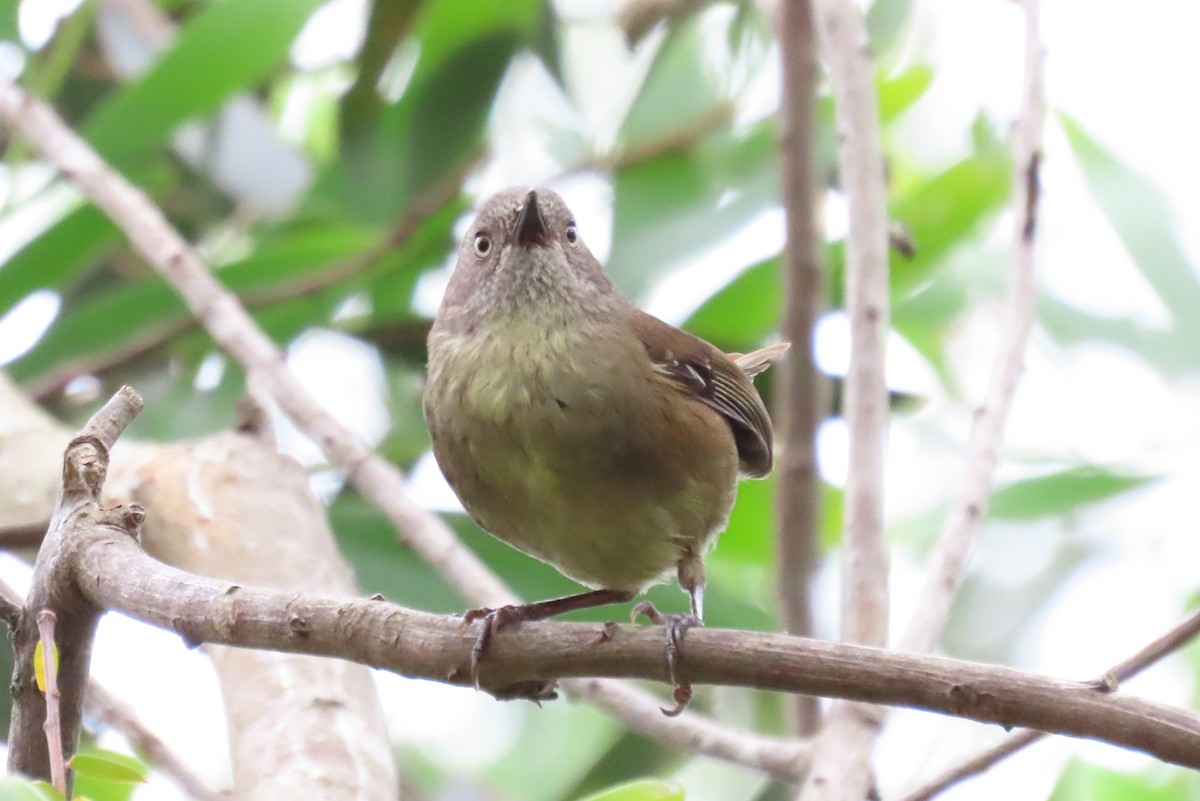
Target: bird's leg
x,y
691,578
498,618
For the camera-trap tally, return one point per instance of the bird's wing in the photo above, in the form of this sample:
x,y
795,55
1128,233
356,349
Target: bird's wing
x,y
705,373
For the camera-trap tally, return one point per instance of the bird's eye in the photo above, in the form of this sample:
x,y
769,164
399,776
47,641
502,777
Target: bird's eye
x,y
572,235
483,245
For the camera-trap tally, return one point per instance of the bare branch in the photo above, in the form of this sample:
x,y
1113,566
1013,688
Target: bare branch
x,y
1109,681
949,557
798,401
117,575
232,328
54,595
22,535
841,762
865,405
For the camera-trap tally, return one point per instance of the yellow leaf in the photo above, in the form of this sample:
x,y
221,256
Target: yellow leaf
x,y
39,666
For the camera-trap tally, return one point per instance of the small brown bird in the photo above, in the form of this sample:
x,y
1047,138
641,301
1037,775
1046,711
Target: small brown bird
x,y
576,427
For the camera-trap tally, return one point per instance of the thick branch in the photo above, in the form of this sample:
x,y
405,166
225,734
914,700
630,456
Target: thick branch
x,y
52,590
841,763
115,574
798,416
114,713
376,479
298,726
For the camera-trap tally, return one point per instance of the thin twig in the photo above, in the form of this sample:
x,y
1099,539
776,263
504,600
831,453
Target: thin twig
x,y
949,557
1109,681
150,340
798,479
235,331
841,761
54,744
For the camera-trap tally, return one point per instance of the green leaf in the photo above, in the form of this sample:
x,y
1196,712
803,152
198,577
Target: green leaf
x,y
62,251
1061,492
18,788
672,208
885,22
1168,351
109,766
9,31
1143,219
464,49
897,93
1082,780
641,790
744,312
681,90
943,212
222,49
48,791
130,317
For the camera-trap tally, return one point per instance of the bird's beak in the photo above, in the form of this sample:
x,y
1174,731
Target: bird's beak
x,y
531,225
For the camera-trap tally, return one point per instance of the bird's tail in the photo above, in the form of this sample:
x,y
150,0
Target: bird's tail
x,y
756,361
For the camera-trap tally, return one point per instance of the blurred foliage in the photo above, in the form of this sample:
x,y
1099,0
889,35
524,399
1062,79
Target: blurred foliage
x,y
377,157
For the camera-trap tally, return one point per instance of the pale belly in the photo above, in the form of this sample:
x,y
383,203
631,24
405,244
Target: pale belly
x,y
600,469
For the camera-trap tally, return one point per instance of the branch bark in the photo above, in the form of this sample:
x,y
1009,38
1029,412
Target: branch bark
x,y
115,574
1162,647
112,712
798,390
229,506
377,480
53,590
841,761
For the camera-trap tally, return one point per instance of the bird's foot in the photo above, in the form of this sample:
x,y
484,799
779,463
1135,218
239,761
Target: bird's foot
x,y
493,621
676,627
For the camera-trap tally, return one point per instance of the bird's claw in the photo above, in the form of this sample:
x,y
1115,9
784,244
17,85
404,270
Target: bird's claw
x,y
676,627
494,620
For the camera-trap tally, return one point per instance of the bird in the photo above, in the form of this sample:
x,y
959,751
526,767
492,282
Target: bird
x,y
576,427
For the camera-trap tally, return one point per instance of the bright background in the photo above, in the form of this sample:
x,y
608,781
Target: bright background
x,y
666,153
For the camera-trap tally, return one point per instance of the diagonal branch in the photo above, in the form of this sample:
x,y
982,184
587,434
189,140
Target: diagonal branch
x,y
1165,645
841,762
375,479
949,557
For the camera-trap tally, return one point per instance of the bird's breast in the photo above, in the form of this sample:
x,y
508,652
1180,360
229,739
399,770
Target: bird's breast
x,y
565,443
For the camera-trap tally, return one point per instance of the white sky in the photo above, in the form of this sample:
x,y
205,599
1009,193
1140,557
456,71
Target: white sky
x,y
1126,72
